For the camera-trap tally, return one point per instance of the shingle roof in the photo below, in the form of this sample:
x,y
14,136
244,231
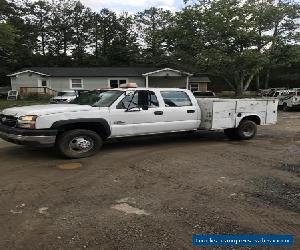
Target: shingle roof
x,y
92,71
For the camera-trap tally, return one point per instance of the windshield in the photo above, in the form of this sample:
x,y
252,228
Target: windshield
x,y
66,94
97,99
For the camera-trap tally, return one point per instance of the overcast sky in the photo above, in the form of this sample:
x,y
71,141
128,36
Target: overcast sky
x,y
133,6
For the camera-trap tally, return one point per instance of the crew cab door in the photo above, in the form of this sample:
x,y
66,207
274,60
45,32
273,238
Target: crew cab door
x,y
129,119
181,111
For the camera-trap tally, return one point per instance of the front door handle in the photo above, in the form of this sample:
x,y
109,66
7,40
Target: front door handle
x,y
190,111
158,113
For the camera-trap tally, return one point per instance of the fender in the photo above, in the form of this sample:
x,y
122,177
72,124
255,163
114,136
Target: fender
x,y
100,121
240,116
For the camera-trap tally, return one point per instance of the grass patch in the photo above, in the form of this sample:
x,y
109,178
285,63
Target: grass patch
x,y
23,102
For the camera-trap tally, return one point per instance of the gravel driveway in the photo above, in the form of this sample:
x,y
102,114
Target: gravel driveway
x,y
153,192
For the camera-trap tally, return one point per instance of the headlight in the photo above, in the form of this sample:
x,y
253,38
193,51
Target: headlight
x,y
27,121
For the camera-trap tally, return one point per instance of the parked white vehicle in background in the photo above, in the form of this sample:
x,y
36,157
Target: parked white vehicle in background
x,y
282,95
78,130
64,97
270,92
292,100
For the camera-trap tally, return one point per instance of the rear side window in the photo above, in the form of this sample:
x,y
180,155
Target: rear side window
x,y
176,99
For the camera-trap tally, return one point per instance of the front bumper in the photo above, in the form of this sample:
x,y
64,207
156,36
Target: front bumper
x,y
33,137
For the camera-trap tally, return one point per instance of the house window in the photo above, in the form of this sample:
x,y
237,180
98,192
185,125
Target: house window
x,y
44,83
76,84
115,83
194,87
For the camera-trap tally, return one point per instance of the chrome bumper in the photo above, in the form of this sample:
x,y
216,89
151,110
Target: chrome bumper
x,y
28,137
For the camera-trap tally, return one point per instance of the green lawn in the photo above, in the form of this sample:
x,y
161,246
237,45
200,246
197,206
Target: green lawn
x,y
26,102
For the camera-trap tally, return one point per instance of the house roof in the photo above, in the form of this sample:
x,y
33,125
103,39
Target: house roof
x,y
199,79
167,69
87,72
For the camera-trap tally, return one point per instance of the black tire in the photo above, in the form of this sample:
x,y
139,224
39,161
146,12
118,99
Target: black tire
x,y
285,107
79,143
231,133
246,130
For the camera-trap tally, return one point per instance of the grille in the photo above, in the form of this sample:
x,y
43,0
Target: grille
x,y
8,120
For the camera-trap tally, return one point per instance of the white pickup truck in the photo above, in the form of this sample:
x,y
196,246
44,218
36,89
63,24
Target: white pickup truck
x,y
78,130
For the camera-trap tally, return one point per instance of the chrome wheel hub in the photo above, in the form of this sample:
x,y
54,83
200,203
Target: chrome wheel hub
x,y
248,131
81,144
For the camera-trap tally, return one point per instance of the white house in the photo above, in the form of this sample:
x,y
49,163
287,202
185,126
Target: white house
x,y
61,78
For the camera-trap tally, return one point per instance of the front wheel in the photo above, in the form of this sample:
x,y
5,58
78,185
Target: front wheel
x,y
79,143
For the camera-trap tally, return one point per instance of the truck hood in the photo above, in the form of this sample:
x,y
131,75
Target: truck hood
x,y
45,109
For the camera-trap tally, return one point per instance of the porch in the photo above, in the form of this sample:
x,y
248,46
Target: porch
x,y
167,78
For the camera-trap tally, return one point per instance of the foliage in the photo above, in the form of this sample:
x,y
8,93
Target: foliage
x,y
237,40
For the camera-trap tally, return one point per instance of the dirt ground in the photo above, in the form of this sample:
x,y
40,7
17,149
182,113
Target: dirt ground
x,y
154,192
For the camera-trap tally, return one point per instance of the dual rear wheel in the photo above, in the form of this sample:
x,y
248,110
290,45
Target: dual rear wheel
x,y
245,131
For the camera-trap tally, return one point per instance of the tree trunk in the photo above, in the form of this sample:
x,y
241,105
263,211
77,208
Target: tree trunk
x,y
65,43
246,86
43,43
267,79
257,82
239,91
229,83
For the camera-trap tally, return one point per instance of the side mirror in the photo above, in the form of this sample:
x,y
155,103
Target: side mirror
x,y
143,99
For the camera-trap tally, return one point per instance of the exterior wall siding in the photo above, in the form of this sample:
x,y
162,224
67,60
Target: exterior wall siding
x,y
169,82
63,83
24,80
90,83
164,79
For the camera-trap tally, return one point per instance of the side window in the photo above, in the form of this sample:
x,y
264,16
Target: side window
x,y
152,100
176,99
131,101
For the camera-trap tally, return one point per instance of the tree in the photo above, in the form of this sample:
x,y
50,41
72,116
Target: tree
x,y
40,13
105,31
124,50
60,29
238,41
81,26
283,24
237,38
153,24
185,38
7,41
